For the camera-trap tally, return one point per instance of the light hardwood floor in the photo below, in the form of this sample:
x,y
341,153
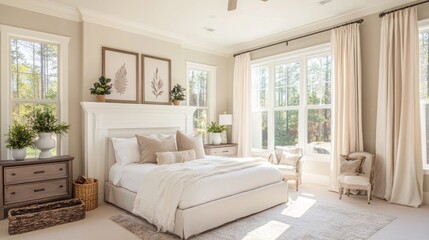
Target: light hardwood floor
x,y
411,223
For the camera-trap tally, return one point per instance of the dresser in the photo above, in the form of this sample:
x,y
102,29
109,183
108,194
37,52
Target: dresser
x,y
225,150
33,180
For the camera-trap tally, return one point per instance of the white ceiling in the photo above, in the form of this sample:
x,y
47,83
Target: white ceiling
x,y
252,21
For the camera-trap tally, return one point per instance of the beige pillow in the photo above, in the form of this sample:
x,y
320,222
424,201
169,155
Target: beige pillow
x,y
175,157
288,158
353,166
186,142
150,145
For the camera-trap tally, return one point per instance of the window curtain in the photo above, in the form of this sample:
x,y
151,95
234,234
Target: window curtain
x,y
346,68
242,109
398,168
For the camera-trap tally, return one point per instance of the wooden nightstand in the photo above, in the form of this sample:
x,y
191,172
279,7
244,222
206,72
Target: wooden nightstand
x,y
34,180
225,150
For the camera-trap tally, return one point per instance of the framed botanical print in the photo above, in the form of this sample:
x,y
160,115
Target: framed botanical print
x,y
122,68
156,76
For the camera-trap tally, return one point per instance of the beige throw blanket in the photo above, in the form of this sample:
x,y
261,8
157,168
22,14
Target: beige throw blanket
x,y
161,191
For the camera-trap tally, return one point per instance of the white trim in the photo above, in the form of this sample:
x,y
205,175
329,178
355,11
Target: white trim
x,y
426,198
46,7
315,179
7,33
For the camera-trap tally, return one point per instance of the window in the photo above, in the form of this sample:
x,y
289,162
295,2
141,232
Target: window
x,y
291,101
32,67
201,94
424,87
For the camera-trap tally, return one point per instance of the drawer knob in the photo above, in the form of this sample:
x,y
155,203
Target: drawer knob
x,y
39,190
13,174
13,193
61,186
61,169
39,172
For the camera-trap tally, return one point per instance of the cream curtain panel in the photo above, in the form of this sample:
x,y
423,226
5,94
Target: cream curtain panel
x,y
242,109
399,167
347,121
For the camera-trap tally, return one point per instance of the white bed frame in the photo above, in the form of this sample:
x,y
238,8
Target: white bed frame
x,y
105,120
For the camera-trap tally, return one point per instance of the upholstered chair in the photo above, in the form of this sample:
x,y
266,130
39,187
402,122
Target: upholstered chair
x,y
358,181
289,161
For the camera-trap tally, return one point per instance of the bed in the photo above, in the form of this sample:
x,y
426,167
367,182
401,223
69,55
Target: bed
x,y
193,216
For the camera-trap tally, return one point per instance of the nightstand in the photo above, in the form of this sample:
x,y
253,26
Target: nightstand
x,y
225,150
33,180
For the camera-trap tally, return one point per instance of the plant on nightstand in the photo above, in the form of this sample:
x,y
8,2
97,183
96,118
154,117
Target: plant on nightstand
x,y
216,130
19,137
44,123
101,88
177,94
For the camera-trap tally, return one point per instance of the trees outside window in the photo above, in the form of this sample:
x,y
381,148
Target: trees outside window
x,y
424,88
291,101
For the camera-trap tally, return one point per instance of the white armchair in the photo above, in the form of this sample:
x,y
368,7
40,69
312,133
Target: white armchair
x,y
289,162
363,181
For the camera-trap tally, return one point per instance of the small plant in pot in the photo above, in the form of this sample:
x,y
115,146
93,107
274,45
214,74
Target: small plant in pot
x,y
216,131
19,137
44,123
101,88
177,94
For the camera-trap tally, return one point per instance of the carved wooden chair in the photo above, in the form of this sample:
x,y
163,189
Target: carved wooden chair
x,y
289,162
363,181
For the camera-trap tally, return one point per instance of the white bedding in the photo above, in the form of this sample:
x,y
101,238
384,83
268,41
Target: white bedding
x,y
205,190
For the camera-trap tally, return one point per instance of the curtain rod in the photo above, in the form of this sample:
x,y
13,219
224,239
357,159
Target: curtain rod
x,y
299,37
402,8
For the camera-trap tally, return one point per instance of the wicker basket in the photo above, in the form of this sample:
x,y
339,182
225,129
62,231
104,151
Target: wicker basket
x,y
41,216
88,193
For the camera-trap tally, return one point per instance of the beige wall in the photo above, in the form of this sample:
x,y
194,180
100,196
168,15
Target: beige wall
x,y
29,20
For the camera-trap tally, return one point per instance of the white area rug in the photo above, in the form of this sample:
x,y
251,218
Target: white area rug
x,y
303,219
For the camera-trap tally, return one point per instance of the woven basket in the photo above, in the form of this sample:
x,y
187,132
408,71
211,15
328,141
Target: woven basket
x,y
88,193
41,216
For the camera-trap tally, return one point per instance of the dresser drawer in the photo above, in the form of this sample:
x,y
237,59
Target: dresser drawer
x,y
32,173
33,191
224,151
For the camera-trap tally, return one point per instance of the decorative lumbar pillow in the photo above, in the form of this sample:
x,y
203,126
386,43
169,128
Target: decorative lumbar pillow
x,y
126,150
186,142
150,145
175,157
350,165
288,158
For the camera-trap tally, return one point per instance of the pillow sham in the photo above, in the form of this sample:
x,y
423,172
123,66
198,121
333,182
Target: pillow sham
x,y
150,145
175,157
126,150
350,165
288,158
187,142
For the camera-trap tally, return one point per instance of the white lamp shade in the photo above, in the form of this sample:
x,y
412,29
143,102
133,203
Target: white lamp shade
x,y
225,119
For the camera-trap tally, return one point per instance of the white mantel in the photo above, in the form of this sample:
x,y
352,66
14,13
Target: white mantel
x,y
103,120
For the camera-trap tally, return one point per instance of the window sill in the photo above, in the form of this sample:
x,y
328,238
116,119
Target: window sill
x,y
426,170
311,158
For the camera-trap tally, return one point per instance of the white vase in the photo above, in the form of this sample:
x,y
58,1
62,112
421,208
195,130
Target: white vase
x,y
19,154
45,143
216,138
224,137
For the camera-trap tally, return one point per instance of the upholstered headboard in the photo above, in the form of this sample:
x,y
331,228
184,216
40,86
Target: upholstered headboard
x,y
105,120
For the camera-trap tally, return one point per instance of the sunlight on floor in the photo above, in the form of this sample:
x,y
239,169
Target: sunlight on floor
x,y
308,194
275,228
298,207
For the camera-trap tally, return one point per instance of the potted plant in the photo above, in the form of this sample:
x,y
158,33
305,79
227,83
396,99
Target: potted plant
x,y
19,137
44,123
216,130
101,88
177,94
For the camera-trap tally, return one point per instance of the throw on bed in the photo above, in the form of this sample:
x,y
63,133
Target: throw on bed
x,y
159,195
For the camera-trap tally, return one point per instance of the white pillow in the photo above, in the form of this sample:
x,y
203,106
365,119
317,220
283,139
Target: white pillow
x,y
288,158
126,150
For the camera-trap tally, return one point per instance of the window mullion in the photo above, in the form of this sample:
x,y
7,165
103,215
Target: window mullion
x,y
271,105
302,115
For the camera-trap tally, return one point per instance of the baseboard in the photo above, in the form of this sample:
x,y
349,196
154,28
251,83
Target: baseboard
x,y
426,198
315,179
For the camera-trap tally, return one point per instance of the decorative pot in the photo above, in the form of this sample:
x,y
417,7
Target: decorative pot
x,y
224,137
19,154
101,98
44,143
216,139
176,102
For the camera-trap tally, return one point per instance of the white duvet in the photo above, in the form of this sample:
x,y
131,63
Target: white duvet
x,y
161,191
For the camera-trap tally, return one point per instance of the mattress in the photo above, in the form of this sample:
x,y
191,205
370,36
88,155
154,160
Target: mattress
x,y
205,190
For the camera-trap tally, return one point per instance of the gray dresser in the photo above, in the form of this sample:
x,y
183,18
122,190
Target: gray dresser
x,y
34,180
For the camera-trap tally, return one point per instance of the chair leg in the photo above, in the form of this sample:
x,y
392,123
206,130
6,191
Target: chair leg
x,y
369,193
340,191
348,192
296,184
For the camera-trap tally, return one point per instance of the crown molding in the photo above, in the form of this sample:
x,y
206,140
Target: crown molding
x,y
348,16
46,7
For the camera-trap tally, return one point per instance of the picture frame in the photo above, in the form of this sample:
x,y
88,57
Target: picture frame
x,y
122,67
156,79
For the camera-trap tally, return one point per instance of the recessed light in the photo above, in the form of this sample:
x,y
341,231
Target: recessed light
x,y
323,2
209,29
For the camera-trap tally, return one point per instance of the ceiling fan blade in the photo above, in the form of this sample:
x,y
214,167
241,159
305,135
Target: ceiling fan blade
x,y
232,5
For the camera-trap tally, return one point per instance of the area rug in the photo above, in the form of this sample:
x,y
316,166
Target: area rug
x,y
302,219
